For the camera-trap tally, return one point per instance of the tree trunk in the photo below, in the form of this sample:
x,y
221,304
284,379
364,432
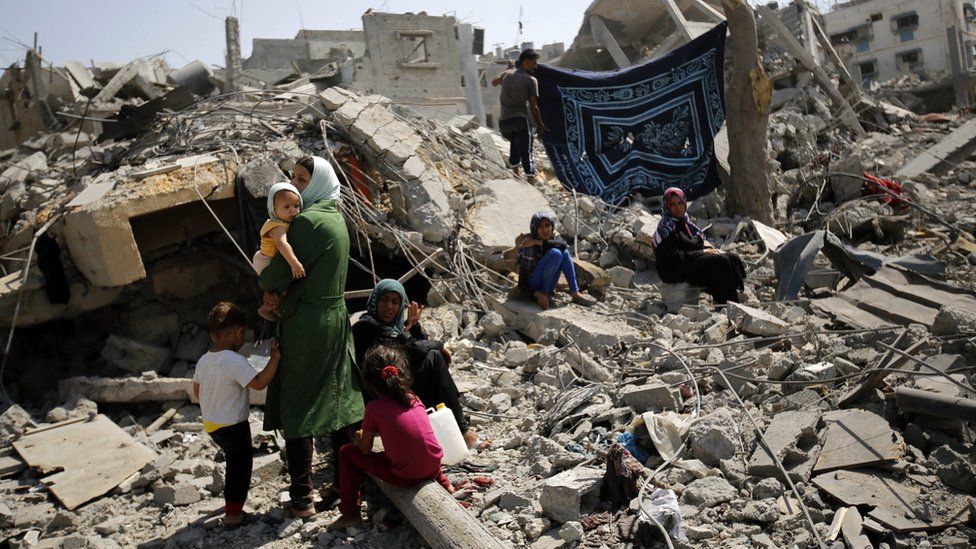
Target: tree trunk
x,y
747,116
438,517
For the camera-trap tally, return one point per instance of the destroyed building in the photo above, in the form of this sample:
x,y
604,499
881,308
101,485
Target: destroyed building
x,y
424,62
832,407
882,40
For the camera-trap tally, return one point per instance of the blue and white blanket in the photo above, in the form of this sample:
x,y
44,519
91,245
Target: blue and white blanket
x,y
644,128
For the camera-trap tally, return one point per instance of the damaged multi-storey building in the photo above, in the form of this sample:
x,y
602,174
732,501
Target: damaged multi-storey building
x,y
831,407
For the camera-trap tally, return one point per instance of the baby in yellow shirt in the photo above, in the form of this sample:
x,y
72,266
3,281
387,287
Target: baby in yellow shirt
x,y
284,204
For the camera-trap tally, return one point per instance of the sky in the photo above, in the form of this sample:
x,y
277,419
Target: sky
x,y
114,30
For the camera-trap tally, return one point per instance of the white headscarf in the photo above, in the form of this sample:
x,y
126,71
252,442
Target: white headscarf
x,y
277,188
324,184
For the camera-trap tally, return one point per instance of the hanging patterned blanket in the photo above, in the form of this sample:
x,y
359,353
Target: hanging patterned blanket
x,y
644,128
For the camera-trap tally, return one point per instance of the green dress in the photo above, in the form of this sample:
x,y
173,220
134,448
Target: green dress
x,y
316,390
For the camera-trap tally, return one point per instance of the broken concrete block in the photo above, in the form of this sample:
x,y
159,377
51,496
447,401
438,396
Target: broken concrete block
x,y
768,488
180,494
714,437
258,174
954,319
571,531
756,322
564,494
427,207
266,467
655,397
762,511
133,356
717,333
709,492
13,421
954,469
676,296
592,331
620,277
814,372
493,324
131,389
792,437
501,212
335,97
511,501
589,275
110,526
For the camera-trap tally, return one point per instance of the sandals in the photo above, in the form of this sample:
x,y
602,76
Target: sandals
x,y
480,443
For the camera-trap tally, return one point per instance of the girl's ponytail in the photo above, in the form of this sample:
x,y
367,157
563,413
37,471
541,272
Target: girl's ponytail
x,y
385,372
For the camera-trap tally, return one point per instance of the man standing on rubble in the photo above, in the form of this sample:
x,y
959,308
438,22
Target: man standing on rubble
x,y
519,96
316,391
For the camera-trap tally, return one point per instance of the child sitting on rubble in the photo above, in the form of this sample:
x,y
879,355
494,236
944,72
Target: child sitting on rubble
x,y
411,452
221,384
284,203
542,257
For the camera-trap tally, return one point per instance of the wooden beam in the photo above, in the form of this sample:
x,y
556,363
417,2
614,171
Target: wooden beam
x,y
791,45
439,518
603,35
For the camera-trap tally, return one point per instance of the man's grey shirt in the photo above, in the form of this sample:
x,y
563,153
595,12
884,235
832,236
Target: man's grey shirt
x,y
517,87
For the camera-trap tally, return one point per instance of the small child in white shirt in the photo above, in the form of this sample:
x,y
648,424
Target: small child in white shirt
x,y
221,383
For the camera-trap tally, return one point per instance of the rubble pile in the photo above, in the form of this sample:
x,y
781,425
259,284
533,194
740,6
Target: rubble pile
x,y
833,406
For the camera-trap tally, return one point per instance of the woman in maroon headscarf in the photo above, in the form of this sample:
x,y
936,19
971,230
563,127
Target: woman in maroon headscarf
x,y
683,255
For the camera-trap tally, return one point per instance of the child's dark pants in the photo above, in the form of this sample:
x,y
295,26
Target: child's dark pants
x,y
235,441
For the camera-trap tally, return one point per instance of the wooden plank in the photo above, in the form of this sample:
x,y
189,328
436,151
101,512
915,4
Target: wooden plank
x,y
92,458
856,439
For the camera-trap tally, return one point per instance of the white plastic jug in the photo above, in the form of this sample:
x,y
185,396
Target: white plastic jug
x,y
448,434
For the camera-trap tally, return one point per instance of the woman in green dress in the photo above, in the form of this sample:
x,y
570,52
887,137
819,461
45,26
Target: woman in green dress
x,y
316,391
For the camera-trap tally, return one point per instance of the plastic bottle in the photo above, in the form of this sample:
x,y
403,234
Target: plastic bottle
x,y
448,434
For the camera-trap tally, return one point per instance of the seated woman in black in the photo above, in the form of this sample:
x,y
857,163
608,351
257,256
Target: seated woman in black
x,y
391,321
683,255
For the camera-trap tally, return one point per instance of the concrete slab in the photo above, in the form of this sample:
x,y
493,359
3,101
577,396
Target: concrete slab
x,y
92,193
857,438
99,234
502,210
943,154
592,331
755,321
901,504
787,435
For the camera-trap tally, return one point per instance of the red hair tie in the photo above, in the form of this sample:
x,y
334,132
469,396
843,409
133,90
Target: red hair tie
x,y
389,371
